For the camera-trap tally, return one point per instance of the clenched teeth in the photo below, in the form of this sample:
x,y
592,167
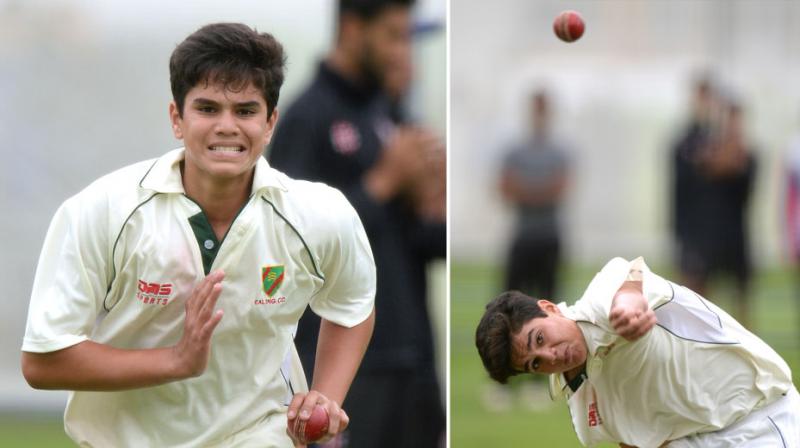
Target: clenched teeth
x,y
227,148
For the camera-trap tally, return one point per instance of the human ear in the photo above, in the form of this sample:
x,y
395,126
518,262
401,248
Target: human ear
x,y
271,121
548,307
175,119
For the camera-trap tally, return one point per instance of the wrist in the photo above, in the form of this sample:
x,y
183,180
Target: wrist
x,y
177,367
380,185
629,298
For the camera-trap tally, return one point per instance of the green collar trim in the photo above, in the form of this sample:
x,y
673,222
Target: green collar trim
x,y
206,239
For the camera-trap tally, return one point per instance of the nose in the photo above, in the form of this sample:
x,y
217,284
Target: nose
x,y
226,124
549,355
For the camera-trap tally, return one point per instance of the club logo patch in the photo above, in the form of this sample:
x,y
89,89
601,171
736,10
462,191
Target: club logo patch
x,y
271,278
345,137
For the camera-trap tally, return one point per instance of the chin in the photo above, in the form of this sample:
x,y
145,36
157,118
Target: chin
x,y
230,175
225,172
230,167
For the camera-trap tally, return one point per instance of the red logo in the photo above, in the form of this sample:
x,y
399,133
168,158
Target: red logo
x,y
594,414
154,293
270,301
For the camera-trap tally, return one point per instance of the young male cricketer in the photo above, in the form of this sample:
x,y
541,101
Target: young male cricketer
x,y
645,362
167,292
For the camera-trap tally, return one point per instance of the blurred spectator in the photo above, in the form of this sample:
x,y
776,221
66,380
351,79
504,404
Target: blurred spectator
x,y
792,201
534,179
428,193
348,130
714,169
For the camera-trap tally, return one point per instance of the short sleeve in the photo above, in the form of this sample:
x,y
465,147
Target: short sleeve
x,y
656,289
70,281
347,296
595,304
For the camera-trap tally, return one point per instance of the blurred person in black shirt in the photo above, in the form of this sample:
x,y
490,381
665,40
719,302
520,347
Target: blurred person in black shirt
x,y
347,129
714,169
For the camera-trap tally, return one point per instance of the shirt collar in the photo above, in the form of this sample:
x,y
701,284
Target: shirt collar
x,y
560,387
164,176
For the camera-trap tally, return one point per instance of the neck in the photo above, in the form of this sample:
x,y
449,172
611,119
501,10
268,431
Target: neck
x,y
220,199
575,376
574,373
345,65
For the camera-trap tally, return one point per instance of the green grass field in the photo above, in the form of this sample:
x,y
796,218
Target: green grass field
x,y
472,425
33,431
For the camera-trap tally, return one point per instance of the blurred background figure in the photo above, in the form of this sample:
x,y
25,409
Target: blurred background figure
x,y
428,193
714,170
534,179
350,129
791,205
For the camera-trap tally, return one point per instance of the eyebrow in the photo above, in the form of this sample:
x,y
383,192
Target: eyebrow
x,y
529,365
253,104
526,366
530,335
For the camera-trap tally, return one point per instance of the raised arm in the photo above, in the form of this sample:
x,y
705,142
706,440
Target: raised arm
x,y
631,316
98,367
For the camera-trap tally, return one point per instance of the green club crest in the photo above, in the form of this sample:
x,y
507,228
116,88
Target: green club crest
x,y
271,278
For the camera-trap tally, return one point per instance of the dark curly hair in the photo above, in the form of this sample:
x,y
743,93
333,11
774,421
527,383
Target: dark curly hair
x,y
369,9
503,318
229,53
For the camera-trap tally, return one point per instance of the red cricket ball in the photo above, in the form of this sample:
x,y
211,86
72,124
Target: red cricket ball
x,y
313,429
569,26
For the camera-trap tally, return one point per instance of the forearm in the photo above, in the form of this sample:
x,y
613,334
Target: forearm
x,y
630,294
380,184
630,315
339,353
549,194
98,367
543,194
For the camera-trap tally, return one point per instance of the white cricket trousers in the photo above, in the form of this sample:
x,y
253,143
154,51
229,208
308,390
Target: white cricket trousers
x,y
776,425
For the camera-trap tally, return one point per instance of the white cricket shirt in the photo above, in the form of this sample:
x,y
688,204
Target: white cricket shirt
x,y
697,370
122,256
